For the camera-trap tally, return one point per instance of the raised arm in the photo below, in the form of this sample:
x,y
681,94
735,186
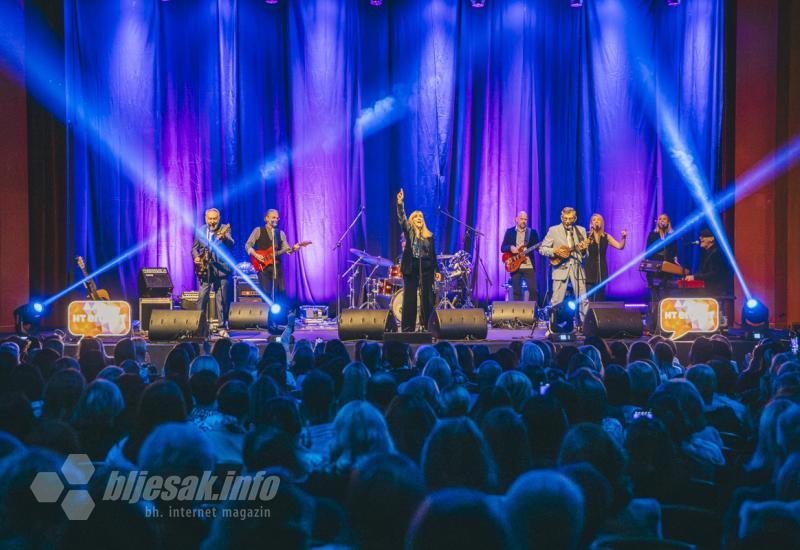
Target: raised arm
x,y
401,212
619,245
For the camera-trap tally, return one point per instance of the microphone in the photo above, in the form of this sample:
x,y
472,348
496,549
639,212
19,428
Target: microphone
x,y
695,243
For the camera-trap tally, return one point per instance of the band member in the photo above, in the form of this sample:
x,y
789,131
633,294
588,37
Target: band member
x,y
262,238
568,243
661,232
714,270
518,237
211,239
418,266
596,265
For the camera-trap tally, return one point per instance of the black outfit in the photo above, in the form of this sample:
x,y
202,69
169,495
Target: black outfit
x,y
219,272
656,281
272,275
715,272
531,238
418,266
596,266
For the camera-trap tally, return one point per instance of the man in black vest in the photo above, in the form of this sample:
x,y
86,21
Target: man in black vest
x,y
261,239
516,238
211,239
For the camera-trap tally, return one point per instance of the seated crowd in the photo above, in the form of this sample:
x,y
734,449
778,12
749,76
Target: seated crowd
x,y
451,446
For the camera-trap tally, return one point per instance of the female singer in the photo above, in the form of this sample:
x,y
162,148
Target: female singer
x,y
596,265
418,266
662,230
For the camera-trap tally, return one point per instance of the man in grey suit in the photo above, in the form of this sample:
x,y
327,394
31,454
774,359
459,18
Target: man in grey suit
x,y
567,243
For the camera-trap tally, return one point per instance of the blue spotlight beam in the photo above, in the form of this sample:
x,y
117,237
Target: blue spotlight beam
x,y
680,149
767,170
102,269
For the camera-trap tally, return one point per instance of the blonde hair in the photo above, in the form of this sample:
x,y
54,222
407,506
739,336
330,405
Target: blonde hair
x,y
669,223
602,223
425,233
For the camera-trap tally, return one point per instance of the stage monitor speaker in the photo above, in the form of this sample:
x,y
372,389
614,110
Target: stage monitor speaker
x,y
364,324
154,282
613,323
173,324
459,324
607,305
244,315
513,314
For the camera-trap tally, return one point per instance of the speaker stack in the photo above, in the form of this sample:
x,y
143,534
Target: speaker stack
x,y
459,324
170,325
513,314
613,322
364,324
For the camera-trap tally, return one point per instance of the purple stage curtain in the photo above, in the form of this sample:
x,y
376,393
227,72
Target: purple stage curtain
x,y
319,107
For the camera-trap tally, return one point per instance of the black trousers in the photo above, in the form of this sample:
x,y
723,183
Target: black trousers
x,y
220,285
516,284
265,278
410,285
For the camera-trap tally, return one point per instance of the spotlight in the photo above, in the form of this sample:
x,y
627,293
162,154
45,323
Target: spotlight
x,y
576,3
477,3
375,2
275,308
673,3
562,321
28,318
271,1
755,315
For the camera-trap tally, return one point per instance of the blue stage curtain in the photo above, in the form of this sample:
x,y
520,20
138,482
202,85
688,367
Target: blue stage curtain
x,y
319,107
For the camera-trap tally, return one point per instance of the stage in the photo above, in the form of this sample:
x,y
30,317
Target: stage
x,y
496,339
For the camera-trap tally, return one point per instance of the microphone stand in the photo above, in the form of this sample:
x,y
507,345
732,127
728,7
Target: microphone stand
x,y
478,258
337,246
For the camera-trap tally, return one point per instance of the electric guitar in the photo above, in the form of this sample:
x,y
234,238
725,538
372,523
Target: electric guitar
x,y
92,292
269,256
201,267
514,261
564,252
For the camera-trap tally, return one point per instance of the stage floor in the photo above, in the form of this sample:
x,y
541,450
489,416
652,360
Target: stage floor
x,y
496,338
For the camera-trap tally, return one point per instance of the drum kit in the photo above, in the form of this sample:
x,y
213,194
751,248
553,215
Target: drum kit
x,y
382,286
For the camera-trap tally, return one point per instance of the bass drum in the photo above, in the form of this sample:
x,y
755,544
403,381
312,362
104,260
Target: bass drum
x,y
396,306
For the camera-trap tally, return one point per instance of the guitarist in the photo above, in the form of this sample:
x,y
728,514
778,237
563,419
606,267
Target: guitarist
x,y
217,276
566,245
521,239
262,238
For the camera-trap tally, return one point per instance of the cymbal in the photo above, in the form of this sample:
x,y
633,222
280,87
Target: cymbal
x,y
444,256
370,259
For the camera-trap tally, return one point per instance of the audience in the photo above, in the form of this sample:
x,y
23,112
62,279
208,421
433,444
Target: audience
x,y
530,445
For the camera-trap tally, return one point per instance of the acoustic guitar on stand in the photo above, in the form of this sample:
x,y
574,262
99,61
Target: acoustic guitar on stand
x,y
92,292
269,256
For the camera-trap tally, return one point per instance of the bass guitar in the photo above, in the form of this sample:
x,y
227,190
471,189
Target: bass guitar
x,y
269,256
514,261
201,266
92,292
564,252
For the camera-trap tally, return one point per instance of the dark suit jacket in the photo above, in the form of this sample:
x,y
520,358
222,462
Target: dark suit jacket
x,y
715,272
510,239
218,267
408,263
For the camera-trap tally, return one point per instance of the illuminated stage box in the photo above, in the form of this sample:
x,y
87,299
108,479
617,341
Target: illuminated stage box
x,y
682,316
99,318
